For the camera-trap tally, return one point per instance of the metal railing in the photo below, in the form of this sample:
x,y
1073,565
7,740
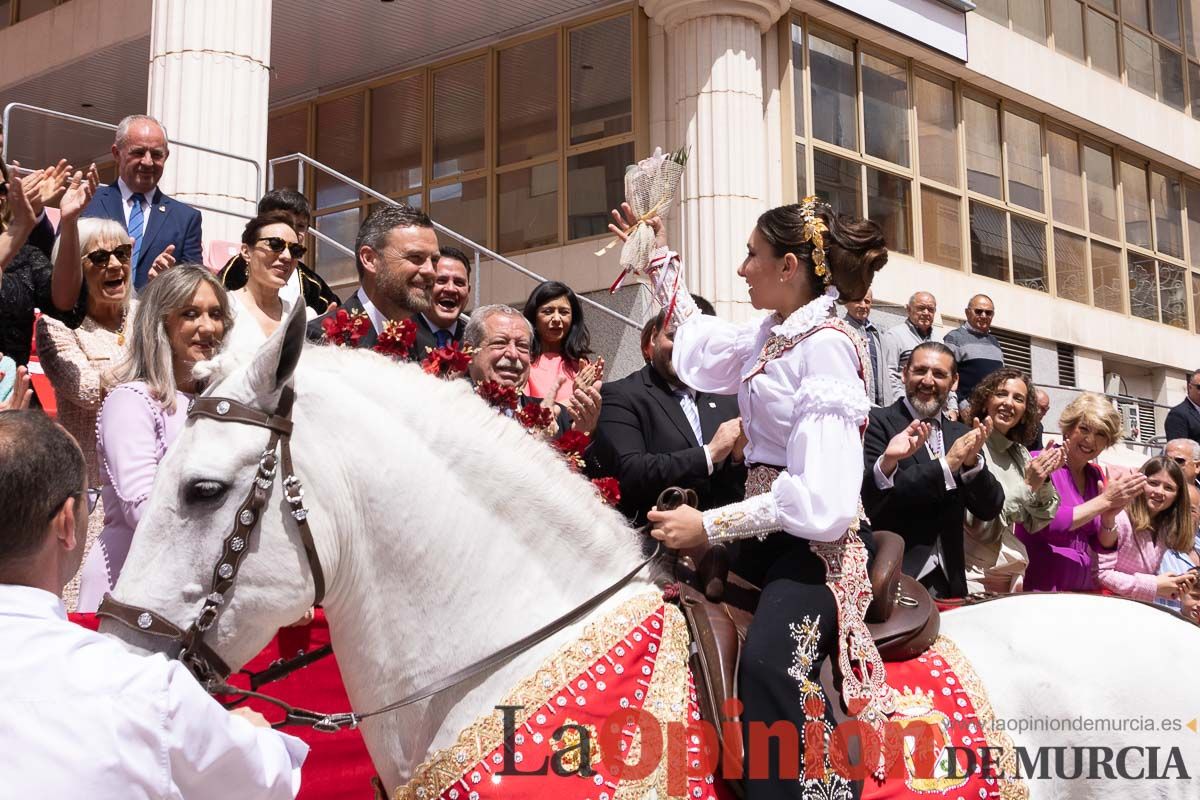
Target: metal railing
x,y
108,126
479,250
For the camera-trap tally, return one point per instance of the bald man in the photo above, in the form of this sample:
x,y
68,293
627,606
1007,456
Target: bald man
x,y
976,349
897,344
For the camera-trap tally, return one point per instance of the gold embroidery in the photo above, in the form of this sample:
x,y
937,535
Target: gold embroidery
x,y
572,741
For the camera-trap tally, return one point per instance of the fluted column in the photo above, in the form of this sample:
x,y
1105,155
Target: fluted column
x,y
715,83
209,83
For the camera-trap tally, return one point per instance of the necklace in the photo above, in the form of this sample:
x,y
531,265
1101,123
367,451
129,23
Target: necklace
x,y
121,329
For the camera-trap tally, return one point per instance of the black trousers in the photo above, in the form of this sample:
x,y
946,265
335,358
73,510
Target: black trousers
x,y
769,680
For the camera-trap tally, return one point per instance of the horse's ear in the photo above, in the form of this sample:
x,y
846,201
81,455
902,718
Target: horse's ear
x,y
276,360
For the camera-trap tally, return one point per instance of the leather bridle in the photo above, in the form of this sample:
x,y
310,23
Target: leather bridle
x,y
196,653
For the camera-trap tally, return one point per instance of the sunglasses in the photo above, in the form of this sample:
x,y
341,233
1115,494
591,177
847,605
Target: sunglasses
x,y
1180,460
100,258
983,312
277,245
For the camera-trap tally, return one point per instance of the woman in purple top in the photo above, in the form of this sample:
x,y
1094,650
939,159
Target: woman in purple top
x,y
181,319
1061,555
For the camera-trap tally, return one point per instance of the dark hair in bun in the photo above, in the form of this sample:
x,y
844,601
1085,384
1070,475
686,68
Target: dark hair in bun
x,y
854,247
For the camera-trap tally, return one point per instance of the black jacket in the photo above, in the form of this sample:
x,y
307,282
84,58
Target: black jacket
x,y
1183,422
644,440
918,506
427,339
352,306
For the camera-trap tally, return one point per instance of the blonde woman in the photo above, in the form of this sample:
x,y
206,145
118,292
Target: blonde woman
x,y
1062,555
181,320
77,361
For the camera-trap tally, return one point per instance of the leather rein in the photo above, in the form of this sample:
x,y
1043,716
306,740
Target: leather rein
x,y
210,669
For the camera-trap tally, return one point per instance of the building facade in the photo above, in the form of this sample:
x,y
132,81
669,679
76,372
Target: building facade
x,y
1044,152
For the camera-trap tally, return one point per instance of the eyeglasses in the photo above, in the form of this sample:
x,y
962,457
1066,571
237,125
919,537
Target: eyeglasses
x,y
100,258
93,497
277,245
982,312
1194,385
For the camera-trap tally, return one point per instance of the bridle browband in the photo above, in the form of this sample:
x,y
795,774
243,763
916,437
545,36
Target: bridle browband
x,y
195,653
210,669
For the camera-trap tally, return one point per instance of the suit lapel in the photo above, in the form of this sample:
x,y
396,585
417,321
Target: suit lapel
x,y
710,414
110,202
670,404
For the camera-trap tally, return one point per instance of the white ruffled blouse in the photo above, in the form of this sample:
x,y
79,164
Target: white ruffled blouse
x,y
802,411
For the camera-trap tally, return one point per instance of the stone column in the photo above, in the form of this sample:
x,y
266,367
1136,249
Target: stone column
x,y
209,83
714,63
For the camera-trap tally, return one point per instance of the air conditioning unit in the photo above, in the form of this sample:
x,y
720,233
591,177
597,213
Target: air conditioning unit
x,y
1130,421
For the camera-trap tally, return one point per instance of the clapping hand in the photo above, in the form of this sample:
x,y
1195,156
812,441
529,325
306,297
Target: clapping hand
x,y
908,441
23,215
626,220
1119,492
53,186
965,450
76,197
584,408
1040,468
165,260
22,393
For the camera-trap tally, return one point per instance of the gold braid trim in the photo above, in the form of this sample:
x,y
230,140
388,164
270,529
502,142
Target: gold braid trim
x,y
1011,787
668,685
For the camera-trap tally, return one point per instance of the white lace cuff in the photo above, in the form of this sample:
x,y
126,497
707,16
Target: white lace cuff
x,y
754,516
666,284
830,396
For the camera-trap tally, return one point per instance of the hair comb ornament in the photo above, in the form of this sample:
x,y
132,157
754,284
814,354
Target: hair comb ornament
x,y
814,233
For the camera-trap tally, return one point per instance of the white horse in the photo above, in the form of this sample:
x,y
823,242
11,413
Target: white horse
x,y
446,532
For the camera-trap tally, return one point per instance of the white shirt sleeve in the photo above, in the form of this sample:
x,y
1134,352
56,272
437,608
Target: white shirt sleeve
x,y
211,753
709,353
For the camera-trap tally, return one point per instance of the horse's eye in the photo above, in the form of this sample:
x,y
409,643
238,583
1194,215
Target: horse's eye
x,y
205,490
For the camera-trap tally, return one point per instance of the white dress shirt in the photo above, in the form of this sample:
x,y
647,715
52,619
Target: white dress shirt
x,y
378,320
84,717
127,205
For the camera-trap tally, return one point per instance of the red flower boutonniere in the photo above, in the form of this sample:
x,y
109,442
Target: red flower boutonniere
x,y
572,444
343,328
497,396
448,362
609,490
535,417
397,339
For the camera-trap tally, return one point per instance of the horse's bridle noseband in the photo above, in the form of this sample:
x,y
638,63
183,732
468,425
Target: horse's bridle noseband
x,y
195,653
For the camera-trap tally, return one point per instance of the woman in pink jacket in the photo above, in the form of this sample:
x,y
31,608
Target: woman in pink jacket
x,y
1156,521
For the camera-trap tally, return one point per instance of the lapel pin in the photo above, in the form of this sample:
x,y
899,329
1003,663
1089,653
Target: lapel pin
x,y
162,209
712,404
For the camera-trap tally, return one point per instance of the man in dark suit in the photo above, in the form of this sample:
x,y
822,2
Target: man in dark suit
x,y
443,323
924,470
163,230
1183,421
394,252
654,432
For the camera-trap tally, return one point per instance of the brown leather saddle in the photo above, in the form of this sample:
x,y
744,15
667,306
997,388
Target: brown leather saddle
x,y
902,618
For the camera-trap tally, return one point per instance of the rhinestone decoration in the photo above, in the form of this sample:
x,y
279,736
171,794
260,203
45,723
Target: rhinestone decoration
x,y
246,517
236,544
223,407
144,620
216,598
225,571
476,777
300,514
262,483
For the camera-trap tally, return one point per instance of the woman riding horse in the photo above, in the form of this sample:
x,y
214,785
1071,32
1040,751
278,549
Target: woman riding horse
x,y
799,378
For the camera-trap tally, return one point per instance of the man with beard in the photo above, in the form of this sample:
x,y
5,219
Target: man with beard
x,y
922,471
394,250
443,322
502,339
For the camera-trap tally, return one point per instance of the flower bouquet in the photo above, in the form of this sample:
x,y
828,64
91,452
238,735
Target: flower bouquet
x,y
650,186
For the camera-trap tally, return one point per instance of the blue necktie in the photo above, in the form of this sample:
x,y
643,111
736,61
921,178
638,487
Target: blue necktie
x,y
442,337
688,403
137,224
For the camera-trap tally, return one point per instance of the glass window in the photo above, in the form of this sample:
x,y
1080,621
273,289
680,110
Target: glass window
x,y
595,184
1066,179
1172,294
798,79
1102,44
5,13
1170,77
342,226
1107,278
1070,266
1067,25
31,8
885,109
1101,192
1135,11
527,208
601,80
1166,20
837,182
397,135
527,113
941,231
459,119
1029,253
937,137
1108,4
339,145
1023,138
287,134
1143,288
461,207
1137,205
996,10
889,202
1193,224
1196,298
983,146
1029,18
1139,61
1191,27
1168,214
801,172
831,73
989,241
1194,84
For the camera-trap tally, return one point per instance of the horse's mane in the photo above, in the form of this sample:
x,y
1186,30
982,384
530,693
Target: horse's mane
x,y
494,454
